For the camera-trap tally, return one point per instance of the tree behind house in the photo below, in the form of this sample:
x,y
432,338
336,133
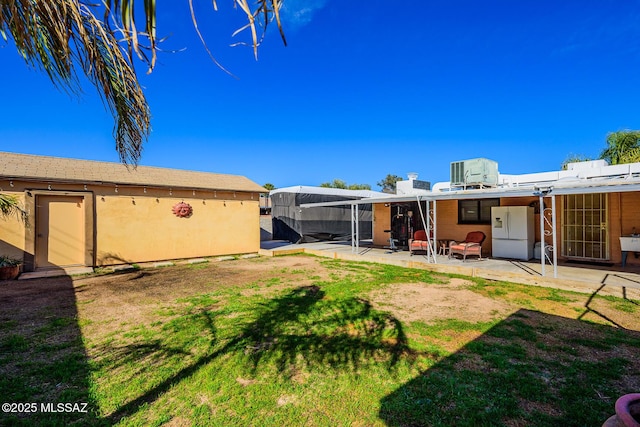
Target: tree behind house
x,y
338,183
622,147
574,158
388,184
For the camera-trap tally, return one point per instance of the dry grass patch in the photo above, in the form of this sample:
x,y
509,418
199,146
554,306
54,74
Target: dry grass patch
x,y
411,302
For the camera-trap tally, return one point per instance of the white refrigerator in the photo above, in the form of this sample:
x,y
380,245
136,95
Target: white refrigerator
x,y
512,232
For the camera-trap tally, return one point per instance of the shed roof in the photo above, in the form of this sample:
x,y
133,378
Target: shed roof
x,y
56,169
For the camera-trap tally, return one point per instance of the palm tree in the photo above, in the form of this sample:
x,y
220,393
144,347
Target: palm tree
x,y
65,37
622,147
632,155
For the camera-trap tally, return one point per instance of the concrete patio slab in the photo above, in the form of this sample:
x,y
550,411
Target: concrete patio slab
x,y
615,280
197,260
122,267
163,264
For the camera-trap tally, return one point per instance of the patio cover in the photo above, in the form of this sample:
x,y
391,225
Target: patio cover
x,y
319,223
627,180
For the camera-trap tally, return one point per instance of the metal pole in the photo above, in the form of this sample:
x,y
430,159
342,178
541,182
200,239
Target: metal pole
x,y
353,248
357,220
542,251
432,224
435,226
430,253
427,230
555,242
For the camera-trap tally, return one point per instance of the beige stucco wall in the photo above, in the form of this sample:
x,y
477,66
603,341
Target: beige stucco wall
x,y
137,227
12,231
135,224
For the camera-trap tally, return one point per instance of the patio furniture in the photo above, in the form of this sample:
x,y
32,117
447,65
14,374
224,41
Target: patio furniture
x,y
472,245
443,246
392,241
419,242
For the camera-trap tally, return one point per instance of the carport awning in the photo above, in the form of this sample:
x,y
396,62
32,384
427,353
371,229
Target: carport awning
x,y
557,188
541,190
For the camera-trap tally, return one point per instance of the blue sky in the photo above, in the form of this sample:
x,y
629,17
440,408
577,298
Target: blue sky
x,y
363,89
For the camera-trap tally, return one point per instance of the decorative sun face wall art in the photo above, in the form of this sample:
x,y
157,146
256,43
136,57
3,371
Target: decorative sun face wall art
x,y
182,210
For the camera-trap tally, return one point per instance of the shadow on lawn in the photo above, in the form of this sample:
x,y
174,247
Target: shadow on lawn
x,y
298,327
589,308
42,356
530,369
339,333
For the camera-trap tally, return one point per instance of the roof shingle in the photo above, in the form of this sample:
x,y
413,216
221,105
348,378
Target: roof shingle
x,y
52,169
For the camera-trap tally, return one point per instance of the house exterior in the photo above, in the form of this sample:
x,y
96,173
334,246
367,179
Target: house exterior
x,y
88,213
580,213
593,235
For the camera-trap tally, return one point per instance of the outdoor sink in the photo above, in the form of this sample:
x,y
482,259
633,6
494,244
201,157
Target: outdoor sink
x,y
630,243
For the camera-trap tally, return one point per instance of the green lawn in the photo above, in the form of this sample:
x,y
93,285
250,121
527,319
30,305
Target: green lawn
x,y
299,341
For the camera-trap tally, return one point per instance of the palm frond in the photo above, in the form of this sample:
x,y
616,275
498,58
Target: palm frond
x,y
62,36
104,64
9,206
620,146
120,17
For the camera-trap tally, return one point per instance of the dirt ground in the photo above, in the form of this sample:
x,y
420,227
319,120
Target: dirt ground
x,y
107,305
415,301
132,297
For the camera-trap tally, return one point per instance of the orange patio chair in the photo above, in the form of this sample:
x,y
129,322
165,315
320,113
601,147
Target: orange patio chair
x,y
419,242
472,245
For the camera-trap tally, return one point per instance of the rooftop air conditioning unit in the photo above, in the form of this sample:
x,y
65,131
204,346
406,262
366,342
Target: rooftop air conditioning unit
x,y
474,172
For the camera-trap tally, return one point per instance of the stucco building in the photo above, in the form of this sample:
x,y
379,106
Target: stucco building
x,y
88,213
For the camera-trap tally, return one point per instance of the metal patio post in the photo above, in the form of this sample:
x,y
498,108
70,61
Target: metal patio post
x,y
542,234
353,234
357,221
555,241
